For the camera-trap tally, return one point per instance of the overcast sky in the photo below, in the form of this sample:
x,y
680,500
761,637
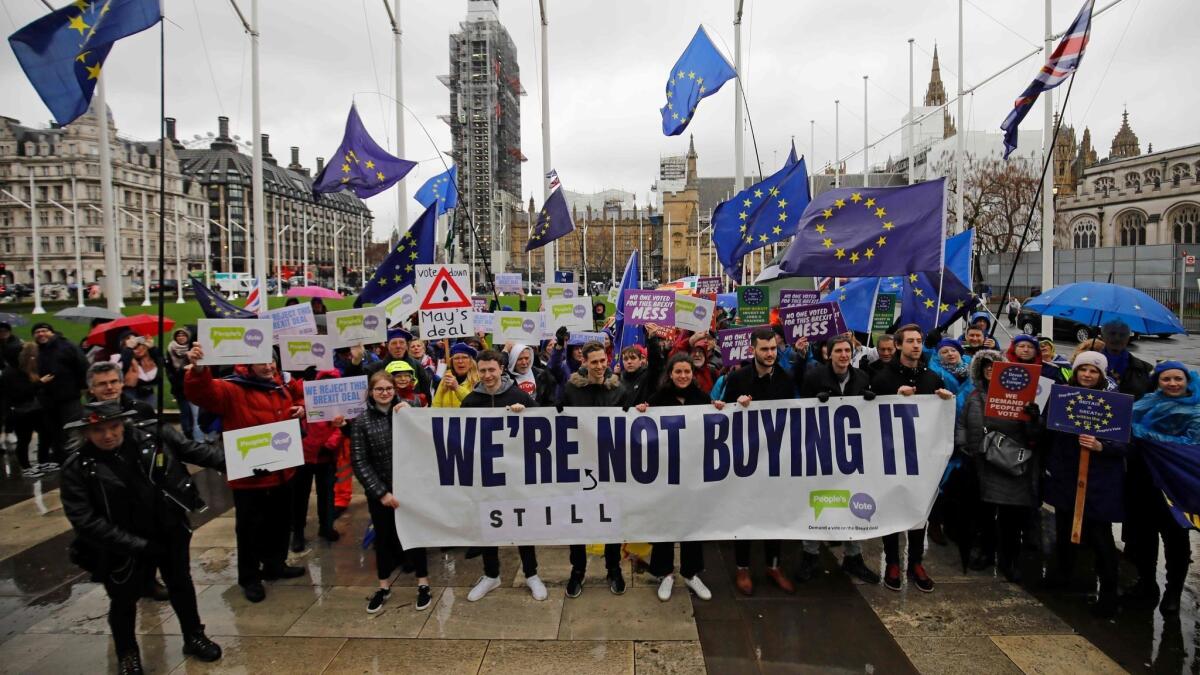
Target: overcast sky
x,y
608,66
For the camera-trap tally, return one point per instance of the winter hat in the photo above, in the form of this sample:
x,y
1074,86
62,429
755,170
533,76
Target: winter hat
x,y
1026,338
397,332
39,325
949,342
1094,359
1164,366
398,366
463,348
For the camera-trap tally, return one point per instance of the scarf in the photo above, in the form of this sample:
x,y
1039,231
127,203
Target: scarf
x,y
178,354
959,370
1117,362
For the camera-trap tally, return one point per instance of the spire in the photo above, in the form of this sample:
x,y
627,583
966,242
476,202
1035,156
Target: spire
x,y
1125,143
691,162
691,146
935,93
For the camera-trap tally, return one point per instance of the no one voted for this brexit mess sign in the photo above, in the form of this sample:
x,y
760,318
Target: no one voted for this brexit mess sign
x,y
1012,387
299,352
815,322
333,397
574,313
272,446
292,320
735,343
1103,414
847,469
708,285
234,341
643,307
350,327
798,297
446,310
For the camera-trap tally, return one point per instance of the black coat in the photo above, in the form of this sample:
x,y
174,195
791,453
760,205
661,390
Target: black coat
x,y
508,395
691,396
371,451
67,364
774,386
579,392
1136,379
821,379
893,375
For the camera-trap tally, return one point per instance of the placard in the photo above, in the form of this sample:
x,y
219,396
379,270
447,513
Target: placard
x,y
574,313
694,314
798,297
484,322
272,447
564,276
228,342
643,307
1103,414
708,285
1045,384
509,282
441,286
328,398
479,303
523,327
754,305
300,352
585,336
292,320
734,343
401,305
815,322
362,326
1012,387
558,290
885,313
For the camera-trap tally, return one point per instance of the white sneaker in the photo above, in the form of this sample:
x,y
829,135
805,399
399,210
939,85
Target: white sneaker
x,y
484,586
536,588
698,587
665,586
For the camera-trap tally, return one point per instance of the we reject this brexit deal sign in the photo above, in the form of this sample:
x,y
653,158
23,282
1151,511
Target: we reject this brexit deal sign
x,y
293,320
445,309
350,327
233,341
272,447
844,470
335,397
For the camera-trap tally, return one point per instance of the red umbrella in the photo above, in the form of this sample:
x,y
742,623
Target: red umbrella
x,y
140,324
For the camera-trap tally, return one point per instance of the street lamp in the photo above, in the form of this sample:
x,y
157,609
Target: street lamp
x,y
78,258
145,259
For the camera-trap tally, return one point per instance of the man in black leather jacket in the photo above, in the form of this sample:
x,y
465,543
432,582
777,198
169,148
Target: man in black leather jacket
x,y
128,498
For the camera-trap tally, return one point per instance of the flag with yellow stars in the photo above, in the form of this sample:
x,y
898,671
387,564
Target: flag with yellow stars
x,y
699,72
442,188
216,307
554,220
62,52
870,232
762,214
1174,467
360,165
399,269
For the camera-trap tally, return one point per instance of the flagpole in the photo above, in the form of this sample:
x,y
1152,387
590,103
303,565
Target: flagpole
x,y
1047,327
837,142
278,260
614,243
738,133
866,164
909,149
529,254
550,250
112,249
960,141
146,257
402,192
256,163
639,245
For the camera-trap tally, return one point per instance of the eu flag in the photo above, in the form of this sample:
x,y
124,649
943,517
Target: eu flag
x,y
399,269
699,72
870,232
360,164
554,220
929,306
762,214
626,335
442,188
63,52
1175,468
216,307
857,298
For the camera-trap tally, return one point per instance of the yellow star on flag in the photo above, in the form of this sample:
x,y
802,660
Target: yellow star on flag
x,y
379,175
345,168
746,202
928,303
783,203
762,237
854,256
879,212
758,194
370,164
827,243
912,278
82,58
870,202
856,197
820,228
870,253
918,292
783,217
742,215
93,71
943,307
840,253
774,191
78,24
888,226
828,213
776,230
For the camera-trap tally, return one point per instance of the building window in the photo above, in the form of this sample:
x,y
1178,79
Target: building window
x,y
1104,184
1133,180
1132,227
1186,222
1153,177
60,245
1086,233
1179,172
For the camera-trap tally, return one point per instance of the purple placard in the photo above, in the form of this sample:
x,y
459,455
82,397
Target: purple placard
x,y
479,303
815,322
643,307
1103,414
798,297
734,344
708,285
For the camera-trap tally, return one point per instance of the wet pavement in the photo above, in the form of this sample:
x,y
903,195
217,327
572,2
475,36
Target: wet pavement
x,y
52,618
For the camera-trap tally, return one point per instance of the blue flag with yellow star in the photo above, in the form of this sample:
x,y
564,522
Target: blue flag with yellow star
x,y
359,164
762,214
442,188
399,269
216,307
870,232
62,53
699,72
554,220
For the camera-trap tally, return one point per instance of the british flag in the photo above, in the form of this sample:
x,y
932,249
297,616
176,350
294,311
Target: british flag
x,y
1061,64
254,301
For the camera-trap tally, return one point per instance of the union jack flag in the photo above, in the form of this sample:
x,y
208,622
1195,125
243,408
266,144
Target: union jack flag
x,y
1061,64
254,301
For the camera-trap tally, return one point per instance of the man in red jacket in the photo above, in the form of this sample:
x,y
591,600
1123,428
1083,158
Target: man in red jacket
x,y
253,395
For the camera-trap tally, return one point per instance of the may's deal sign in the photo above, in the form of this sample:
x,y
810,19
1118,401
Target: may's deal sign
x,y
734,344
523,327
299,352
233,341
694,314
329,398
272,447
1103,414
574,313
1012,387
351,327
815,322
643,307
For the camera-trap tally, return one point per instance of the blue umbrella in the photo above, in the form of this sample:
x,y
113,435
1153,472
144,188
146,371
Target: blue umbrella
x,y
1092,303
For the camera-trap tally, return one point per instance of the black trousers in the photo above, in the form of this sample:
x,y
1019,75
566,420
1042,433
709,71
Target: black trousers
x,y
306,474
491,561
916,547
691,558
772,548
612,557
261,518
57,416
1141,543
1001,527
1097,536
23,425
126,585
389,554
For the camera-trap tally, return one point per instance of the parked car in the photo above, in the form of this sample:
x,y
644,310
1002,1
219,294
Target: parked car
x,y
20,290
169,285
1030,322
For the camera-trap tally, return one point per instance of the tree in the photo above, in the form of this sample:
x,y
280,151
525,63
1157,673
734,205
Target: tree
x,y
997,201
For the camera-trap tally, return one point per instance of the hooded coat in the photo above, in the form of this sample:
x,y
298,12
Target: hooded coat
x,y
322,440
538,383
578,391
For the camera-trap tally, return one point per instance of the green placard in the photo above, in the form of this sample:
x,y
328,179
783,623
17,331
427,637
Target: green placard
x,y
754,305
885,313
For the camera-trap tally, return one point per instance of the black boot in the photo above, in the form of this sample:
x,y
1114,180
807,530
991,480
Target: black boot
x,y
1170,599
298,542
809,562
130,664
198,645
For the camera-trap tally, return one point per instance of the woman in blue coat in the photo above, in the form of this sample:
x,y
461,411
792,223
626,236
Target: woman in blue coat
x,y
1104,503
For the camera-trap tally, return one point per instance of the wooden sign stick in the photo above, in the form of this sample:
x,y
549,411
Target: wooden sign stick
x,y
1085,457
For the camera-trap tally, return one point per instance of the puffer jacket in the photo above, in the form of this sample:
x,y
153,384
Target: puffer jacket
x,y
371,451
579,392
1159,417
244,401
995,485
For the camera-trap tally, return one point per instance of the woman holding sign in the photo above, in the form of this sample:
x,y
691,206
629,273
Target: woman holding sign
x,y
1104,497
678,387
460,378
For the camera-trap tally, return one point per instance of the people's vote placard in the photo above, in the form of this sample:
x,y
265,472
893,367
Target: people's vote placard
x,y
234,341
272,447
350,327
300,352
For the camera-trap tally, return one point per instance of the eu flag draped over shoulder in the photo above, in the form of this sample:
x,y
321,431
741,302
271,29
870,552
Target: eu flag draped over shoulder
x,y
699,72
760,215
870,232
442,188
554,220
359,164
216,307
399,269
62,53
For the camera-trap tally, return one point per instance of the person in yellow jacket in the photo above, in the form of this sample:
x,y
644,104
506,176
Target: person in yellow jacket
x,y
460,378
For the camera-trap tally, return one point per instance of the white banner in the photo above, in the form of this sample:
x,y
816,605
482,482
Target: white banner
x,y
797,469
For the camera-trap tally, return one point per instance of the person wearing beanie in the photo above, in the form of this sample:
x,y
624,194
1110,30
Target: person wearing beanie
x,y
950,363
1169,414
397,349
62,368
460,378
983,321
1025,349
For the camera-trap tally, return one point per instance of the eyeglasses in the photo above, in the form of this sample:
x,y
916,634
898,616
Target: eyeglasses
x,y
383,390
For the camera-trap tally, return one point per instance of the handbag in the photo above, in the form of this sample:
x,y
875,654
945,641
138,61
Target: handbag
x,y
1006,454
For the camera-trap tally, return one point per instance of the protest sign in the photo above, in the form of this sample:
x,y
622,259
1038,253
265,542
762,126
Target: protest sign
x,y
694,314
292,320
1012,387
574,313
234,341
643,307
479,303
272,447
754,305
885,313
798,297
734,343
484,322
523,327
614,295
361,326
1043,392
708,285
583,337
558,290
564,276
815,322
848,469
445,310
331,397
509,282
401,305
1103,414
299,352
